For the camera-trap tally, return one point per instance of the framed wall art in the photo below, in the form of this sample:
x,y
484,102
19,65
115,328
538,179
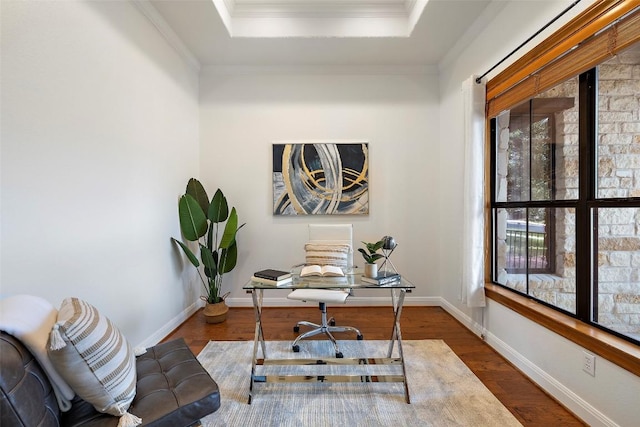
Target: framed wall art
x,y
321,179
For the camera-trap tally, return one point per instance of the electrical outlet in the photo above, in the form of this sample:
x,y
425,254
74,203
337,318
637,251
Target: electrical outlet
x,y
589,364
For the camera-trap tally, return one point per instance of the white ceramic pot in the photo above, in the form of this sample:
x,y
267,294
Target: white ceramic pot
x,y
371,270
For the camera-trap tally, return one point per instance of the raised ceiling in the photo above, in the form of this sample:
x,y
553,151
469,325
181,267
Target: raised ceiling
x,y
324,32
319,18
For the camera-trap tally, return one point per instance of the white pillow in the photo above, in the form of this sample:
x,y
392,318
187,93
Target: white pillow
x,y
327,254
30,319
95,359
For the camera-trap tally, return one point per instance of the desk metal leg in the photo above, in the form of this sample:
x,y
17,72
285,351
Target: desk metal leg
x,y
396,303
396,335
397,299
256,295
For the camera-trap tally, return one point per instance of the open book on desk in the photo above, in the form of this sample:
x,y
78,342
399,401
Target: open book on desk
x,y
323,271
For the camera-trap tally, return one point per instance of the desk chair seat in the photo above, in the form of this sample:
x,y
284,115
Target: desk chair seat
x,y
322,297
329,244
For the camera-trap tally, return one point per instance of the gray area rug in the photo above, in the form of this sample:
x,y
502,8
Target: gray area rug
x,y
444,392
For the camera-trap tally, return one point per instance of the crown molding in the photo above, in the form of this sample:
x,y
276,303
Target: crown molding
x,y
337,8
167,32
320,18
324,70
484,19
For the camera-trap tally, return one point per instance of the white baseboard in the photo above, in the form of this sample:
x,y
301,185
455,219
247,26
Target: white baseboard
x,y
171,325
463,318
553,387
559,391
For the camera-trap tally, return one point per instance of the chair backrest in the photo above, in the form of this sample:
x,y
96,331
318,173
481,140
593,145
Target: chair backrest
x,y
333,234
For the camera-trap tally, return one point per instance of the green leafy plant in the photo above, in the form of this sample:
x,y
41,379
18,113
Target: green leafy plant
x,y
371,254
201,221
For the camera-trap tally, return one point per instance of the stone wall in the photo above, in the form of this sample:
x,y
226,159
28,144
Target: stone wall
x,y
618,176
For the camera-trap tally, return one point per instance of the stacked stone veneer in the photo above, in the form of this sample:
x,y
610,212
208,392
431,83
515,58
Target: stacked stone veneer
x,y
618,176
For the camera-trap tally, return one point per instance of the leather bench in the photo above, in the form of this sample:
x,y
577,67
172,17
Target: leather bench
x,y
173,389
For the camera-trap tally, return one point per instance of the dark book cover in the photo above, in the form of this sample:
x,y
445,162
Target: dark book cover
x,y
272,274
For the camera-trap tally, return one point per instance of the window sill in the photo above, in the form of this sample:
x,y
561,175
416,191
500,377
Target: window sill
x,y
614,349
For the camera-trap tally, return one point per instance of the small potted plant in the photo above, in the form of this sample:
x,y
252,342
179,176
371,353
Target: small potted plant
x,y
203,221
371,255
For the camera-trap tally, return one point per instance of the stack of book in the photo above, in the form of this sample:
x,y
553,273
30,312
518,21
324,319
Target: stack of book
x,y
272,277
383,278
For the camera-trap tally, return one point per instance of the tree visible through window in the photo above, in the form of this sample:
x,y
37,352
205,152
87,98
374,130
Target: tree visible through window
x,y
530,176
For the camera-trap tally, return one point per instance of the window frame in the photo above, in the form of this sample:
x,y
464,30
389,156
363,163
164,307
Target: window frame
x,y
532,117
586,206
580,328
562,53
612,348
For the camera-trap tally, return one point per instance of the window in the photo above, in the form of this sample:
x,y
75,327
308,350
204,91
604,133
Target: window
x,y
566,196
615,210
528,144
535,153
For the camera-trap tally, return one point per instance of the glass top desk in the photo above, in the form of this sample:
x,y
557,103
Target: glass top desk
x,y
352,281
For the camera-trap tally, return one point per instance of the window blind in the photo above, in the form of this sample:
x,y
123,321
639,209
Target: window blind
x,y
598,33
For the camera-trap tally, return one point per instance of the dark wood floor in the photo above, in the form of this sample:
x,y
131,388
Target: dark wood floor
x,y
528,403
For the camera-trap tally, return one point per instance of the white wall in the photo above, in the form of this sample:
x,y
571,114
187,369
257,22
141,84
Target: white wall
x,y
611,397
245,110
100,130
99,135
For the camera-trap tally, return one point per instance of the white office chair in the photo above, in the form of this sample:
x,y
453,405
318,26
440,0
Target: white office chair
x,y
327,235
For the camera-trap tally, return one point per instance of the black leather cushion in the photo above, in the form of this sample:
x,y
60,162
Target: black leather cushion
x,y
173,390
170,378
26,398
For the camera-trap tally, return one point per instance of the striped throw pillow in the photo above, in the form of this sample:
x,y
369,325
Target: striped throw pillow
x,y
327,254
95,359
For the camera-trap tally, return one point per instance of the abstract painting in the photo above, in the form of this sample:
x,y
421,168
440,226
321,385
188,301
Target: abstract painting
x,y
321,179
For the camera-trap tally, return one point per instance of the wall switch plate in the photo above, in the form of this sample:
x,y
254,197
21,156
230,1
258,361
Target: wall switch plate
x,y
589,364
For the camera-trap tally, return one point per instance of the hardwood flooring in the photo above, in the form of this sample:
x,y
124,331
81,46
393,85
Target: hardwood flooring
x,y
526,401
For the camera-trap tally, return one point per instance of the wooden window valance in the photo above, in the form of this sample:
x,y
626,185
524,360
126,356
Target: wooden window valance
x,y
595,35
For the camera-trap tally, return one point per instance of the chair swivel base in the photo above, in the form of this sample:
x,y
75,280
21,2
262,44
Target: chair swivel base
x,y
326,327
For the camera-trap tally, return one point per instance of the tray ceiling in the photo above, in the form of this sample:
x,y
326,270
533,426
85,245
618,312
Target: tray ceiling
x,y
319,18
323,32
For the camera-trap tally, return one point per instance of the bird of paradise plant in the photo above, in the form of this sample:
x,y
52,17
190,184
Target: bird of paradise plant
x,y
201,220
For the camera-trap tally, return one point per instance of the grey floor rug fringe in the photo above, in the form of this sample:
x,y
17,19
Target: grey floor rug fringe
x,y
444,392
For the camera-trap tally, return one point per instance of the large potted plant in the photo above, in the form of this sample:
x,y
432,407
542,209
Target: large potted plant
x,y
371,255
203,221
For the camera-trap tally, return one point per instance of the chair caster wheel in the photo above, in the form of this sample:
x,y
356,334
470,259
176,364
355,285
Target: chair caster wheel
x,y
339,355
296,348
296,329
332,322
360,337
